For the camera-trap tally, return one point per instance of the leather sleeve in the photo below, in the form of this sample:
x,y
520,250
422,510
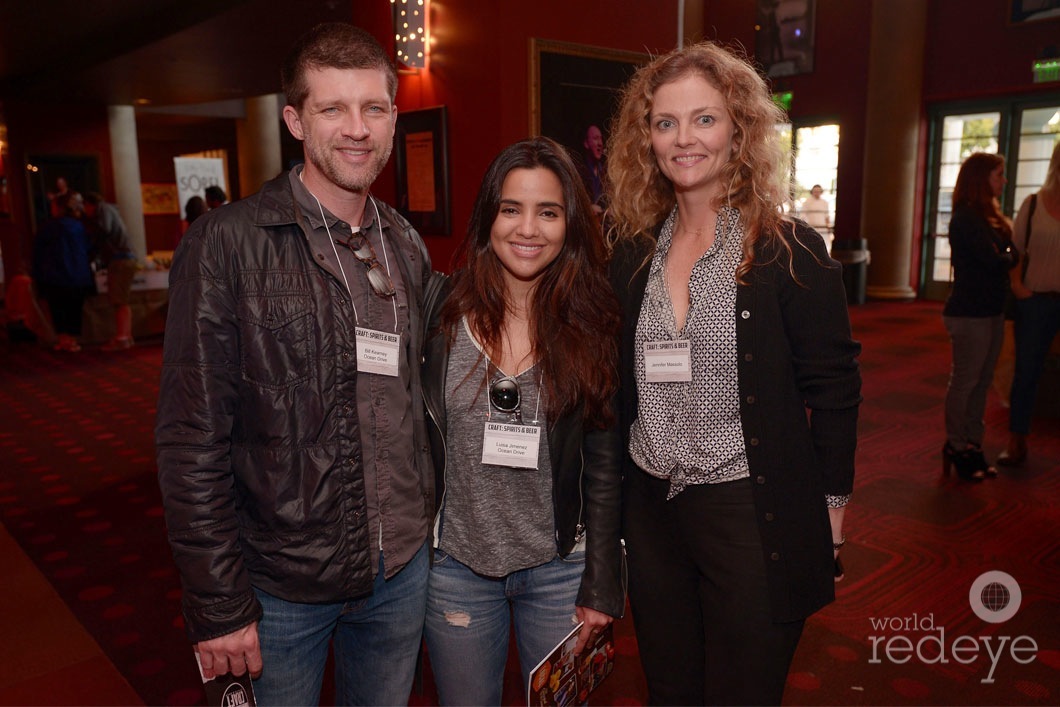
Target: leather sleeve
x,y
603,584
197,402
824,356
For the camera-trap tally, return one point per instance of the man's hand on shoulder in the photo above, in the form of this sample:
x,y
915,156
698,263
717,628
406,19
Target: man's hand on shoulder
x,y
235,653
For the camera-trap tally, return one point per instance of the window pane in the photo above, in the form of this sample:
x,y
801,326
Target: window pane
x,y
1039,131
817,163
961,136
784,137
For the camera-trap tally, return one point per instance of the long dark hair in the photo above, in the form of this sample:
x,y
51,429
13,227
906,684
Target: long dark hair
x,y
573,313
973,190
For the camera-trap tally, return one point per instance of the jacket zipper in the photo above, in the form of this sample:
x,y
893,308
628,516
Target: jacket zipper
x,y
579,528
445,470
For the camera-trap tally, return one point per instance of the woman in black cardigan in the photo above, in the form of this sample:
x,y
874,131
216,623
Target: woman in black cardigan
x,y
982,254
735,324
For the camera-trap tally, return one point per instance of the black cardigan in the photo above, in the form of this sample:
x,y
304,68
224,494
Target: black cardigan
x,y
981,260
795,353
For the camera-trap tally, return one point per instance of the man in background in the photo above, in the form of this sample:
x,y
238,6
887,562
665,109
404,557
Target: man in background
x,y
593,169
814,211
215,196
112,248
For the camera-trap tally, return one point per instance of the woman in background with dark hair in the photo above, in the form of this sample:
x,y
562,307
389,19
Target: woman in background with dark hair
x,y
981,252
518,379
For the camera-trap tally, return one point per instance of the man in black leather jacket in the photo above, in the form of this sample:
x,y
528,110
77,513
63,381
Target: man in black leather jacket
x,y
292,452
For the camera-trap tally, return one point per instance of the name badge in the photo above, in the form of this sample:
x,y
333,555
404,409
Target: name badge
x,y
511,445
378,351
668,361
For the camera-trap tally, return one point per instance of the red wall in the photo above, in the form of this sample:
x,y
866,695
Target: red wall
x,y
480,68
974,52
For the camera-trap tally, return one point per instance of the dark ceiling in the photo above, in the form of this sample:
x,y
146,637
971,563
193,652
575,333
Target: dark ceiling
x,y
166,52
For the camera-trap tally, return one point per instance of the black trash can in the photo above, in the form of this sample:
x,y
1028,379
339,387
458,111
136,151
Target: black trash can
x,y
854,255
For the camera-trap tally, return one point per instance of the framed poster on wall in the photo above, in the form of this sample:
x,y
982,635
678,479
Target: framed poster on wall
x,y
574,93
421,159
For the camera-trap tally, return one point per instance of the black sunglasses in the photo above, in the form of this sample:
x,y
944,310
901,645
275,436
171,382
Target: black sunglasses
x,y
504,395
378,278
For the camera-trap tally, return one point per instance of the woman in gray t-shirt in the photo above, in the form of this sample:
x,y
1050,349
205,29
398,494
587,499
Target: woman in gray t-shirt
x,y
519,371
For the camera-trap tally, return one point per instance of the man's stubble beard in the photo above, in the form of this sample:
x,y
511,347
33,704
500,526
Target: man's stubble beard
x,y
325,161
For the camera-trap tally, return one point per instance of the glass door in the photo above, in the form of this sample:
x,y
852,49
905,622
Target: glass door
x,y
1039,132
816,169
960,135
1022,129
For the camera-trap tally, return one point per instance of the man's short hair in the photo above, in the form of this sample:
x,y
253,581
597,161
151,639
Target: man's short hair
x,y
94,198
333,45
215,193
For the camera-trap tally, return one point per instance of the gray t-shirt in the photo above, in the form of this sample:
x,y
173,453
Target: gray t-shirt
x,y
495,519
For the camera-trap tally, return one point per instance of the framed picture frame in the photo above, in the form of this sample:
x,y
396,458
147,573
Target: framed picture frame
x,y
1021,11
159,199
575,90
784,37
421,159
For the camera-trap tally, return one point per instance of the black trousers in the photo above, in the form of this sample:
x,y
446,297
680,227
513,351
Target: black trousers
x,y
697,588
65,305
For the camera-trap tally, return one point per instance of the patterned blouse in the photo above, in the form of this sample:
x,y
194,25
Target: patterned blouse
x,y
690,432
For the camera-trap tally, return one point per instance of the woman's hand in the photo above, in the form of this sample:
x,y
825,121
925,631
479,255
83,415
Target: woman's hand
x,y
593,622
1020,291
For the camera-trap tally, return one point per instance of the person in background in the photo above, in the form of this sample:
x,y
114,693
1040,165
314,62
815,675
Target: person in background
x,y
193,209
527,338
981,245
1037,292
61,269
111,242
215,196
735,327
814,211
24,320
593,169
292,453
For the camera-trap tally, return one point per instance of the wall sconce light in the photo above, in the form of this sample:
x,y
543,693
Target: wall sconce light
x,y
410,31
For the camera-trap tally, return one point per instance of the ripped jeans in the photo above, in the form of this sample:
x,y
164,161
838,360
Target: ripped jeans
x,y
468,619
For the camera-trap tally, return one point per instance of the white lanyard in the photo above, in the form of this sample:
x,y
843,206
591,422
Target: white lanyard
x,y
342,270
378,352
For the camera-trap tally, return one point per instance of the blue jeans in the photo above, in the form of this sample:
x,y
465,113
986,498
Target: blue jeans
x,y
468,622
1036,326
377,642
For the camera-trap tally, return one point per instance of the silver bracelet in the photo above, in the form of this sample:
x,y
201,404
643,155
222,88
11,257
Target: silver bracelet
x,y
840,544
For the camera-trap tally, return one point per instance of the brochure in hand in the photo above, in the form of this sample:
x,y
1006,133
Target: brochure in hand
x,y
227,690
563,678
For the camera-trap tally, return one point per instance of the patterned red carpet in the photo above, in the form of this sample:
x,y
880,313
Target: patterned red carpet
x,y
78,494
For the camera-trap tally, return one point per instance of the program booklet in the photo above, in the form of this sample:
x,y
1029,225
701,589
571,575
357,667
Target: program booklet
x,y
227,690
563,678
